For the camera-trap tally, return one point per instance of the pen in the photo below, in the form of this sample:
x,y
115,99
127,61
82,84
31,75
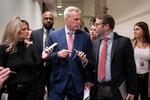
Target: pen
x,y
13,72
76,50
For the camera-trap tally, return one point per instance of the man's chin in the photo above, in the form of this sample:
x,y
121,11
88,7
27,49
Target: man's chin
x,y
48,28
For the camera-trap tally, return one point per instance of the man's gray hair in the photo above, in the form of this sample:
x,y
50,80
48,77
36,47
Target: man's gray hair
x,y
69,9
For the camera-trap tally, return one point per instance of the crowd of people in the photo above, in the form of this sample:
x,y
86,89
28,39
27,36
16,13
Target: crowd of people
x,y
111,66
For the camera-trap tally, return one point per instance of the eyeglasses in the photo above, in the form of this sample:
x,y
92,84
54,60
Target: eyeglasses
x,y
97,24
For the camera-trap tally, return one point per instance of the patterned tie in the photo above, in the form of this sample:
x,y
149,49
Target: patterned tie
x,y
46,38
103,60
70,42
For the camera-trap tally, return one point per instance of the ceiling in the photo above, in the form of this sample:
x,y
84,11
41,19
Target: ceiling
x,y
52,4
66,3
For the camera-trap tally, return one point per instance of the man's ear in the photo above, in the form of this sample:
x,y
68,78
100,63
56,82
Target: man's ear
x,y
106,26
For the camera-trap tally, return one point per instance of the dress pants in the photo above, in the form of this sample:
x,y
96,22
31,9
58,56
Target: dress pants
x,y
68,92
142,86
42,81
40,89
104,92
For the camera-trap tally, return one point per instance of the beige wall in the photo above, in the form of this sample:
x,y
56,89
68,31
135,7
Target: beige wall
x,y
127,13
26,9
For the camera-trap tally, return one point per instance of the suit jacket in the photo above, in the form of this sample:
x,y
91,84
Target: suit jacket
x,y
63,68
37,38
122,64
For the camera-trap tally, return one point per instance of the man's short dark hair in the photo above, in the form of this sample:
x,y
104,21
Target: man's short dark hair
x,y
107,19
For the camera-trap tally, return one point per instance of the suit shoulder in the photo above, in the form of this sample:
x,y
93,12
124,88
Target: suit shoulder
x,y
121,37
37,31
57,31
85,34
35,34
126,38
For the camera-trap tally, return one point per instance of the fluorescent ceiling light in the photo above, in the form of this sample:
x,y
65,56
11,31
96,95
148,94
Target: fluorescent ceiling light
x,y
60,14
59,6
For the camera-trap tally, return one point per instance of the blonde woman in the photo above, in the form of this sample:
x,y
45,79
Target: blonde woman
x,y
21,57
142,58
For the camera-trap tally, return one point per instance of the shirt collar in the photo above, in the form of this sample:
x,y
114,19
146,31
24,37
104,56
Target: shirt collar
x,y
109,36
67,30
46,30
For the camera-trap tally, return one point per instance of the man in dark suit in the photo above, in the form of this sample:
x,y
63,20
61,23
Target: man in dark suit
x,y
119,65
70,59
39,38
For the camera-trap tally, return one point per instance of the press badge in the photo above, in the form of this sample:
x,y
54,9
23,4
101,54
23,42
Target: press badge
x,y
4,96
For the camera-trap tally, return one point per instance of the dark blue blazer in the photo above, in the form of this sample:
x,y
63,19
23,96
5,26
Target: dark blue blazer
x,y
70,66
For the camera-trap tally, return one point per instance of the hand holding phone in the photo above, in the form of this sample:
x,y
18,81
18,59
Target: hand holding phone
x,y
50,48
81,55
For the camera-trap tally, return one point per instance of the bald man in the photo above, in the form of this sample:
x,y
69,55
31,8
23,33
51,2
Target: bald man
x,y
39,38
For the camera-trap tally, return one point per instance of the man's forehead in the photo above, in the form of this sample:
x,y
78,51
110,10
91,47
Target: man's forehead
x,y
98,20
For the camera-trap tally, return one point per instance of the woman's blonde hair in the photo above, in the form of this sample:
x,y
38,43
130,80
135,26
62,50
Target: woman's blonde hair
x,y
11,34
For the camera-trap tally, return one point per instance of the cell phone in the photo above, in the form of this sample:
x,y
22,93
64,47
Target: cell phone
x,y
52,46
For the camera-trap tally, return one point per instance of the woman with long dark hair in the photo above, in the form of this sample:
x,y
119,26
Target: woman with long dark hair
x,y
142,58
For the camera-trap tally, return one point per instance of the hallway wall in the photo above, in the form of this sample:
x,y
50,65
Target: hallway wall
x,y
26,9
127,13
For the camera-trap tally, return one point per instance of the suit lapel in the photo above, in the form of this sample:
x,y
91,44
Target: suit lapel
x,y
114,45
97,46
76,45
63,39
41,38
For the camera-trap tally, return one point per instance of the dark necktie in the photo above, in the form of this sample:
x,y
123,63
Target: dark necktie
x,y
46,38
103,60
